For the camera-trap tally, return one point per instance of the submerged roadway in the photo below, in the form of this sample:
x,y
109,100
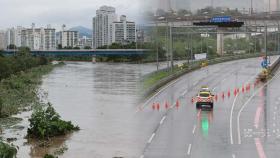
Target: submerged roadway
x,y
244,124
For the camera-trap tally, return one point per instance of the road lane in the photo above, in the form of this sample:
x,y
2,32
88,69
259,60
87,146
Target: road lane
x,y
265,136
211,130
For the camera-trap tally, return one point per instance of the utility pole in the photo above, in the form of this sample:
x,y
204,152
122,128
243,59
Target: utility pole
x,y
157,44
251,11
265,41
171,47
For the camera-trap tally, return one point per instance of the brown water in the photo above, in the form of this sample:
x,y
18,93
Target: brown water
x,y
101,99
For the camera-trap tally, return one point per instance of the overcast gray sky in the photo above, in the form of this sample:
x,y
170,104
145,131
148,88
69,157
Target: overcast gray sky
x,y
58,12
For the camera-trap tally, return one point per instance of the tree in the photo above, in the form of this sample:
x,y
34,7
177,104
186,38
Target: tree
x,y
59,46
1,107
1,53
183,12
87,47
11,46
76,47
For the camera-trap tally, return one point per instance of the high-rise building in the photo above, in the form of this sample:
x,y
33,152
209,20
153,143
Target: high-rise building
x,y
85,42
38,38
10,36
69,39
2,40
123,31
102,26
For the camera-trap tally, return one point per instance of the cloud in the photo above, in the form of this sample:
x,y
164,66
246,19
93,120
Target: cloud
x,y
58,12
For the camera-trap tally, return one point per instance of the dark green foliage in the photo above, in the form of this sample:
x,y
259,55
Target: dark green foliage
x,y
49,156
19,91
21,62
131,45
7,151
46,123
1,106
87,47
11,46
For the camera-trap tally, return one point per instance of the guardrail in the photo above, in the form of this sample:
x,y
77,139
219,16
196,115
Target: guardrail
x,y
194,66
274,66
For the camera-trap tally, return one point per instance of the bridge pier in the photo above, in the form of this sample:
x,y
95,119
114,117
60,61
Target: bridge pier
x,y
220,41
93,59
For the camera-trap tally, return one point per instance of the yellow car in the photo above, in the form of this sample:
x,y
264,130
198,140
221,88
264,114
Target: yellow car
x,y
204,99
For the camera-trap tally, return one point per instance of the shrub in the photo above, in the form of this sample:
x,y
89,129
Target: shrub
x,y
46,123
7,151
49,156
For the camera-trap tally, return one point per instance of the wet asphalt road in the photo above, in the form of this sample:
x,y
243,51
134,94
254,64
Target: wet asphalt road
x,y
245,125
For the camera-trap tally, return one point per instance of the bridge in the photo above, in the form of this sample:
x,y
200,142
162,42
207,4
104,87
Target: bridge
x,y
95,52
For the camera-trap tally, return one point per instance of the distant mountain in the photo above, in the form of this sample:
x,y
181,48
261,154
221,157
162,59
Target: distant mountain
x,y
83,31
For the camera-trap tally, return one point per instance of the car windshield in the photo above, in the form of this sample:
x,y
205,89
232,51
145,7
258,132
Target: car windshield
x,y
204,94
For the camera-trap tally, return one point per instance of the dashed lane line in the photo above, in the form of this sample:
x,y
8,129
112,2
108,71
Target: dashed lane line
x,y
151,138
194,128
189,149
162,120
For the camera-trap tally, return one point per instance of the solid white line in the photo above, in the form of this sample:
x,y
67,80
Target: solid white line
x,y
142,156
231,116
194,127
232,108
189,149
151,138
246,103
161,121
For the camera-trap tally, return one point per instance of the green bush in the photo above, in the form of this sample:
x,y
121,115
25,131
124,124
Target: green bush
x,y
49,156
46,123
7,151
22,61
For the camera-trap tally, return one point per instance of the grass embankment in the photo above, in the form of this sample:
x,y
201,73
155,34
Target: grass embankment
x,y
155,77
20,77
19,91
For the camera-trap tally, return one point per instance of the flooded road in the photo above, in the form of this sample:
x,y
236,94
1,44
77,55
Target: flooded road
x,y
101,99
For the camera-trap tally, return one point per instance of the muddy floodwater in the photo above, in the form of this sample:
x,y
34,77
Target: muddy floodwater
x,y
101,99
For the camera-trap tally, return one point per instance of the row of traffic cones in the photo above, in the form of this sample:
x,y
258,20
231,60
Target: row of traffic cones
x,y
156,106
243,89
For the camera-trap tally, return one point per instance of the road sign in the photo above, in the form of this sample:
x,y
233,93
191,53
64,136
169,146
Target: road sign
x,y
200,56
218,19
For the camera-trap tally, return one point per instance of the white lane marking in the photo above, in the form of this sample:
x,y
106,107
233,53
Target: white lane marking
x,y
232,108
233,156
223,79
231,116
185,92
161,121
246,103
195,83
194,127
189,149
151,138
142,156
